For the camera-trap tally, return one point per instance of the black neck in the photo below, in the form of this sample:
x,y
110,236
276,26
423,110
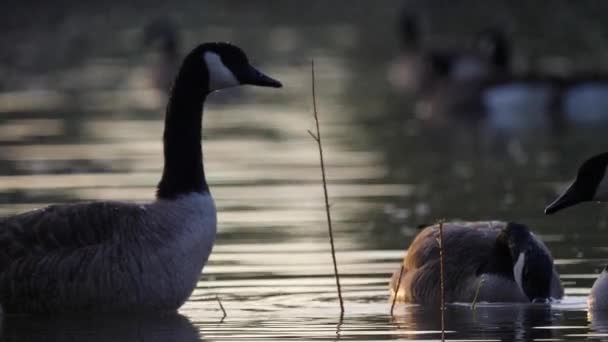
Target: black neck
x,y
183,171
501,58
500,261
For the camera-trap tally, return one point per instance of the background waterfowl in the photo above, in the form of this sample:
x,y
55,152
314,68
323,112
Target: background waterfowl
x,y
521,102
590,184
162,35
422,68
584,98
514,264
124,257
456,82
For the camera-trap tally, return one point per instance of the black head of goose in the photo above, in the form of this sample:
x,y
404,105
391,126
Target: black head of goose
x,y
494,47
497,261
123,257
590,184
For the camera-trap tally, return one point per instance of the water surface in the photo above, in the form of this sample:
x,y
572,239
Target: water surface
x,y
80,120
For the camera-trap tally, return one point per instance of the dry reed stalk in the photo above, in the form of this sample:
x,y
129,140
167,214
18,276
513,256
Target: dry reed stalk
x,y
397,291
479,285
442,279
317,138
221,307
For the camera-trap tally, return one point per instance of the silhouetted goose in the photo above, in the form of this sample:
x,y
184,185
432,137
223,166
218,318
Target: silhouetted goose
x,y
123,257
590,184
514,264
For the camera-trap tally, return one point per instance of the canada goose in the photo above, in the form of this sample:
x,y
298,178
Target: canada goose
x,y
451,82
504,261
124,257
590,184
421,69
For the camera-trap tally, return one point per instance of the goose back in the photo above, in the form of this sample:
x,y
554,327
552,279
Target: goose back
x,y
598,297
105,256
468,249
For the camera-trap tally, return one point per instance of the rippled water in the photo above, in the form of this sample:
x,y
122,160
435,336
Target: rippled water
x,y
80,120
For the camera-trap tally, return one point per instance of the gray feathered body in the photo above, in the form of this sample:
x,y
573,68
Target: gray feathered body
x,y
467,247
105,256
598,297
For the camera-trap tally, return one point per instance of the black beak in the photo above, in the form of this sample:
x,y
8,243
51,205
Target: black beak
x,y
255,77
569,198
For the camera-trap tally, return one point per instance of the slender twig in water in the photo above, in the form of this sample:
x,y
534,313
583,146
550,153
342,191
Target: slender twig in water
x,y
317,138
479,285
339,328
442,278
221,307
397,290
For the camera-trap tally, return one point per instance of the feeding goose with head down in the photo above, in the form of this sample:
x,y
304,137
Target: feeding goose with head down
x,y
484,261
125,257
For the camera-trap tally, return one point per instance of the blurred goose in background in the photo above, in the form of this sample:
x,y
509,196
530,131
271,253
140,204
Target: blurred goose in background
x,y
503,99
162,34
536,100
590,184
456,96
503,262
584,98
420,68
125,257
521,102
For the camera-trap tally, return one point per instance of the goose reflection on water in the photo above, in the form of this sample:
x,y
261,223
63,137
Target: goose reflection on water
x,y
117,328
513,322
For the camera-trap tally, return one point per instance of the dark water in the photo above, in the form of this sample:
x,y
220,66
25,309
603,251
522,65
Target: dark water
x,y
80,119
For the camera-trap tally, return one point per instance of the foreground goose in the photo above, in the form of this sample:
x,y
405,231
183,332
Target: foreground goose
x,y
501,262
590,184
122,257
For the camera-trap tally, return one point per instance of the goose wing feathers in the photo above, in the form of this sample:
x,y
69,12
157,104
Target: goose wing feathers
x,y
63,228
466,246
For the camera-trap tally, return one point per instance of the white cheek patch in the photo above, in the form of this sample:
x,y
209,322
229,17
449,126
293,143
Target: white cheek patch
x,y
601,193
220,76
518,269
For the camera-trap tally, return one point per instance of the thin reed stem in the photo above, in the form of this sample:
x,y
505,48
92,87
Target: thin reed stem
x,y
317,138
442,277
397,291
221,307
479,285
